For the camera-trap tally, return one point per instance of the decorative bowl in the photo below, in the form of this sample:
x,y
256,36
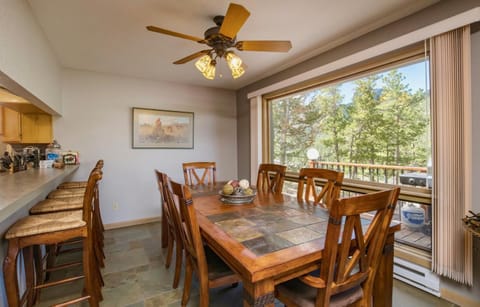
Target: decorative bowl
x,y
237,198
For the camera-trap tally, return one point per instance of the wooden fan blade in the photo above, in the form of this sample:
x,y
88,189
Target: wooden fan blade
x,y
191,57
176,34
233,20
275,46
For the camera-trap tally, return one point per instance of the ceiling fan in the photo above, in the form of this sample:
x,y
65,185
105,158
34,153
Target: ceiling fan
x,y
222,39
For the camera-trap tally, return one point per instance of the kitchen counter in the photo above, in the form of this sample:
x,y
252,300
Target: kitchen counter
x,y
19,190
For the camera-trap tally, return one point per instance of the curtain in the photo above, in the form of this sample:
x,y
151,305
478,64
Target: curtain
x,y
451,150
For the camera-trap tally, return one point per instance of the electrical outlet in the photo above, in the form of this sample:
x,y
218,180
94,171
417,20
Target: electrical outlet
x,y
115,205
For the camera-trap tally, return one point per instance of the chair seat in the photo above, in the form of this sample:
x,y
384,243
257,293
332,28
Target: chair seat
x,y
51,205
303,295
62,193
45,223
216,266
72,185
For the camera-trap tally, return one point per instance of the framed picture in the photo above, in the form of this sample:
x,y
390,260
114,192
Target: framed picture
x,y
162,129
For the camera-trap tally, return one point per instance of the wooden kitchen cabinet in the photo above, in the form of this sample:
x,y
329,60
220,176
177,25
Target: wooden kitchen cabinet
x,y
36,128
11,126
1,120
26,127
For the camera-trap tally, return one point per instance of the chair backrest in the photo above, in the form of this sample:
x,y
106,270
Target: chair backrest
x,y
352,254
91,194
162,182
270,177
190,231
162,185
324,194
98,166
199,173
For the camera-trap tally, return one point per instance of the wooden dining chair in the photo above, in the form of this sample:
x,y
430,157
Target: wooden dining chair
x,y
270,178
199,173
211,271
351,255
172,229
319,186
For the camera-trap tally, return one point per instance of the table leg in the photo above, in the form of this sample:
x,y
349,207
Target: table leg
x,y
383,285
259,294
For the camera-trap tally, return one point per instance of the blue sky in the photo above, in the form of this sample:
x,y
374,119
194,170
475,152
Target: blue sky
x,y
414,76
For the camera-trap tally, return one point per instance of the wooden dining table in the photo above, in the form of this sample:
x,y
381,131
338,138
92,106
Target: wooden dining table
x,y
274,239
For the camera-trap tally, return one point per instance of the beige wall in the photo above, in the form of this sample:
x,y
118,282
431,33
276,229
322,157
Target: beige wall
x,y
97,121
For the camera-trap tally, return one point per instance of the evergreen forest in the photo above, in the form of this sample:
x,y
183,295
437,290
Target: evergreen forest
x,y
384,123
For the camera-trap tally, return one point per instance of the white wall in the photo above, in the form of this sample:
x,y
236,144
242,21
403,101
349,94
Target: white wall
x,y
97,120
25,54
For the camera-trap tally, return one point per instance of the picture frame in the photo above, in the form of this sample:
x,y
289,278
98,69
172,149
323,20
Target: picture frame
x,y
152,128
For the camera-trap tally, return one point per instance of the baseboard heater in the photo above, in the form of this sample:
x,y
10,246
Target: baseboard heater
x,y
416,276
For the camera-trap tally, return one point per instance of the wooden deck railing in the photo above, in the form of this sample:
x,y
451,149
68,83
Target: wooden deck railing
x,y
371,172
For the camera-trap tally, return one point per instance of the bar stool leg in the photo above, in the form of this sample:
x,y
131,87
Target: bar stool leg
x,y
90,285
29,274
10,273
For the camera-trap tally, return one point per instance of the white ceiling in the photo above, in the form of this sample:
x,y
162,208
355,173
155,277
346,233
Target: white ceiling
x,y
109,35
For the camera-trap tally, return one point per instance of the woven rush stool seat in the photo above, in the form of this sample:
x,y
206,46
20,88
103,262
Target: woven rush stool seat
x,y
72,185
51,205
42,223
63,193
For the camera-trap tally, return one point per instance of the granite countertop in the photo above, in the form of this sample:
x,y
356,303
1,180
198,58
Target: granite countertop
x,y
17,189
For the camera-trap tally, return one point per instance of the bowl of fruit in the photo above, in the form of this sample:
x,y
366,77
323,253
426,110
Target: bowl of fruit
x,y
237,192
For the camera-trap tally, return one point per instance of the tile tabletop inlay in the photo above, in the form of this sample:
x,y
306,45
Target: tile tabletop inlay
x,y
271,228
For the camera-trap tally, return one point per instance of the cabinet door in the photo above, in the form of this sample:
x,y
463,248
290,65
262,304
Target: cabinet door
x,y
1,120
36,128
11,126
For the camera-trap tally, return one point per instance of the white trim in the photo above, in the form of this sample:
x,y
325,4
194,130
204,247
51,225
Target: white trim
x,y
445,25
416,276
255,136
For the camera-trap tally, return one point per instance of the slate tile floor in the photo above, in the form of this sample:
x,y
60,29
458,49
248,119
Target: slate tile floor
x,y
135,276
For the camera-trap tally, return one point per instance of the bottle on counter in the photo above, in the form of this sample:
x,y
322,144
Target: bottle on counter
x,y
53,151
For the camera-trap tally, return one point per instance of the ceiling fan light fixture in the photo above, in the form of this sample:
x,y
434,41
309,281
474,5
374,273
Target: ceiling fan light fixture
x,y
209,73
233,60
203,63
238,72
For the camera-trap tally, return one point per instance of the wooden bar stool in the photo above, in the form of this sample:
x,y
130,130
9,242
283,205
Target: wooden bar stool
x,y
70,199
49,229
68,204
73,188
70,190
79,184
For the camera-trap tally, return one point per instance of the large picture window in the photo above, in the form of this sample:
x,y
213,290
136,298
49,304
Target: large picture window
x,y
373,125
380,119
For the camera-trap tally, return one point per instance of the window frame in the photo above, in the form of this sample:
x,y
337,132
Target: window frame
x,y
386,61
